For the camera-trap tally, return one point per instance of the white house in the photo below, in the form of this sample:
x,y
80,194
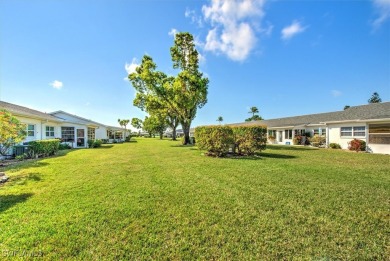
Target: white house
x,y
70,128
370,123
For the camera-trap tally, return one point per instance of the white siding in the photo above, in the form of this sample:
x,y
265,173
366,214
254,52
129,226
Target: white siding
x,y
335,136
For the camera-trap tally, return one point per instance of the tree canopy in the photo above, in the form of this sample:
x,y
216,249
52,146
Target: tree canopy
x,y
255,117
375,98
176,97
12,131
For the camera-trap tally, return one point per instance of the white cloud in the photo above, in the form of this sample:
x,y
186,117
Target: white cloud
x,y
56,85
130,67
233,26
173,32
293,29
383,9
201,58
336,93
195,19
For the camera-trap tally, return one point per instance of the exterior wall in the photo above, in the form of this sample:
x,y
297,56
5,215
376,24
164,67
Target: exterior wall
x,y
335,133
101,133
379,148
40,128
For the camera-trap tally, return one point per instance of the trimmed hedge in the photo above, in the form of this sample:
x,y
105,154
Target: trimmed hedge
x,y
215,139
220,140
247,140
44,148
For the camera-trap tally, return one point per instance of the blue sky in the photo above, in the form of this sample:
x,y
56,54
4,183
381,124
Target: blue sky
x,y
284,57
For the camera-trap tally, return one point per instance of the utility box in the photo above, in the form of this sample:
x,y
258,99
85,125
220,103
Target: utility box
x,y
20,150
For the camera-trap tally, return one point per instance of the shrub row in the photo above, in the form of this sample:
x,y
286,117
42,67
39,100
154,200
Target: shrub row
x,y
220,140
94,143
43,148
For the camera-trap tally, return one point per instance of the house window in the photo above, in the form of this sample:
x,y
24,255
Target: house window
x,y
272,133
67,134
320,132
91,134
359,131
49,131
288,134
346,132
30,130
300,132
379,133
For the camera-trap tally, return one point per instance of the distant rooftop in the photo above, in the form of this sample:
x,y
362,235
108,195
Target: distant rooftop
x,y
24,111
362,112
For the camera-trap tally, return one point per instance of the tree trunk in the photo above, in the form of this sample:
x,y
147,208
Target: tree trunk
x,y
186,130
161,135
174,133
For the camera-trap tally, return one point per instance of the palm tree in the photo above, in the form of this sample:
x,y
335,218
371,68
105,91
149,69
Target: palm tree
x,y
220,119
253,110
124,123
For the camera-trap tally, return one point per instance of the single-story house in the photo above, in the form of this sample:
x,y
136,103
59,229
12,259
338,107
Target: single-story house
x,y
73,129
370,123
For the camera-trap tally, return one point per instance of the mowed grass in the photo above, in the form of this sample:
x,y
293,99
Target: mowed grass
x,y
155,199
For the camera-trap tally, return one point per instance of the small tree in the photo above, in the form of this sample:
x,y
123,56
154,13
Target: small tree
x,y
255,117
375,98
155,124
123,124
137,123
220,119
254,110
12,131
346,107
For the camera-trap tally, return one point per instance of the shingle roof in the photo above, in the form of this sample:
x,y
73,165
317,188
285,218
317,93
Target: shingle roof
x,y
362,112
24,111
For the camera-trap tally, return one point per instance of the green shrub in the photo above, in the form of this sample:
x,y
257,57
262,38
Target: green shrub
x,y
334,146
318,141
128,138
90,143
220,140
97,144
44,148
248,139
357,145
64,146
215,139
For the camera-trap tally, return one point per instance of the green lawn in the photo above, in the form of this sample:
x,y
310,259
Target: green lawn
x,y
155,199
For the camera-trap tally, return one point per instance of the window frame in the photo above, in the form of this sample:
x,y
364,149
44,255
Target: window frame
x,y
352,132
288,134
28,130
50,131
66,137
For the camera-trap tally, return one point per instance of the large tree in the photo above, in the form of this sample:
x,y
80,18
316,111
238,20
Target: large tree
x,y
375,98
220,119
179,96
12,131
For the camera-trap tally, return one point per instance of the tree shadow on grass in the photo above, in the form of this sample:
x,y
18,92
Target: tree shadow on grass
x,y
8,201
105,146
276,156
288,147
183,146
